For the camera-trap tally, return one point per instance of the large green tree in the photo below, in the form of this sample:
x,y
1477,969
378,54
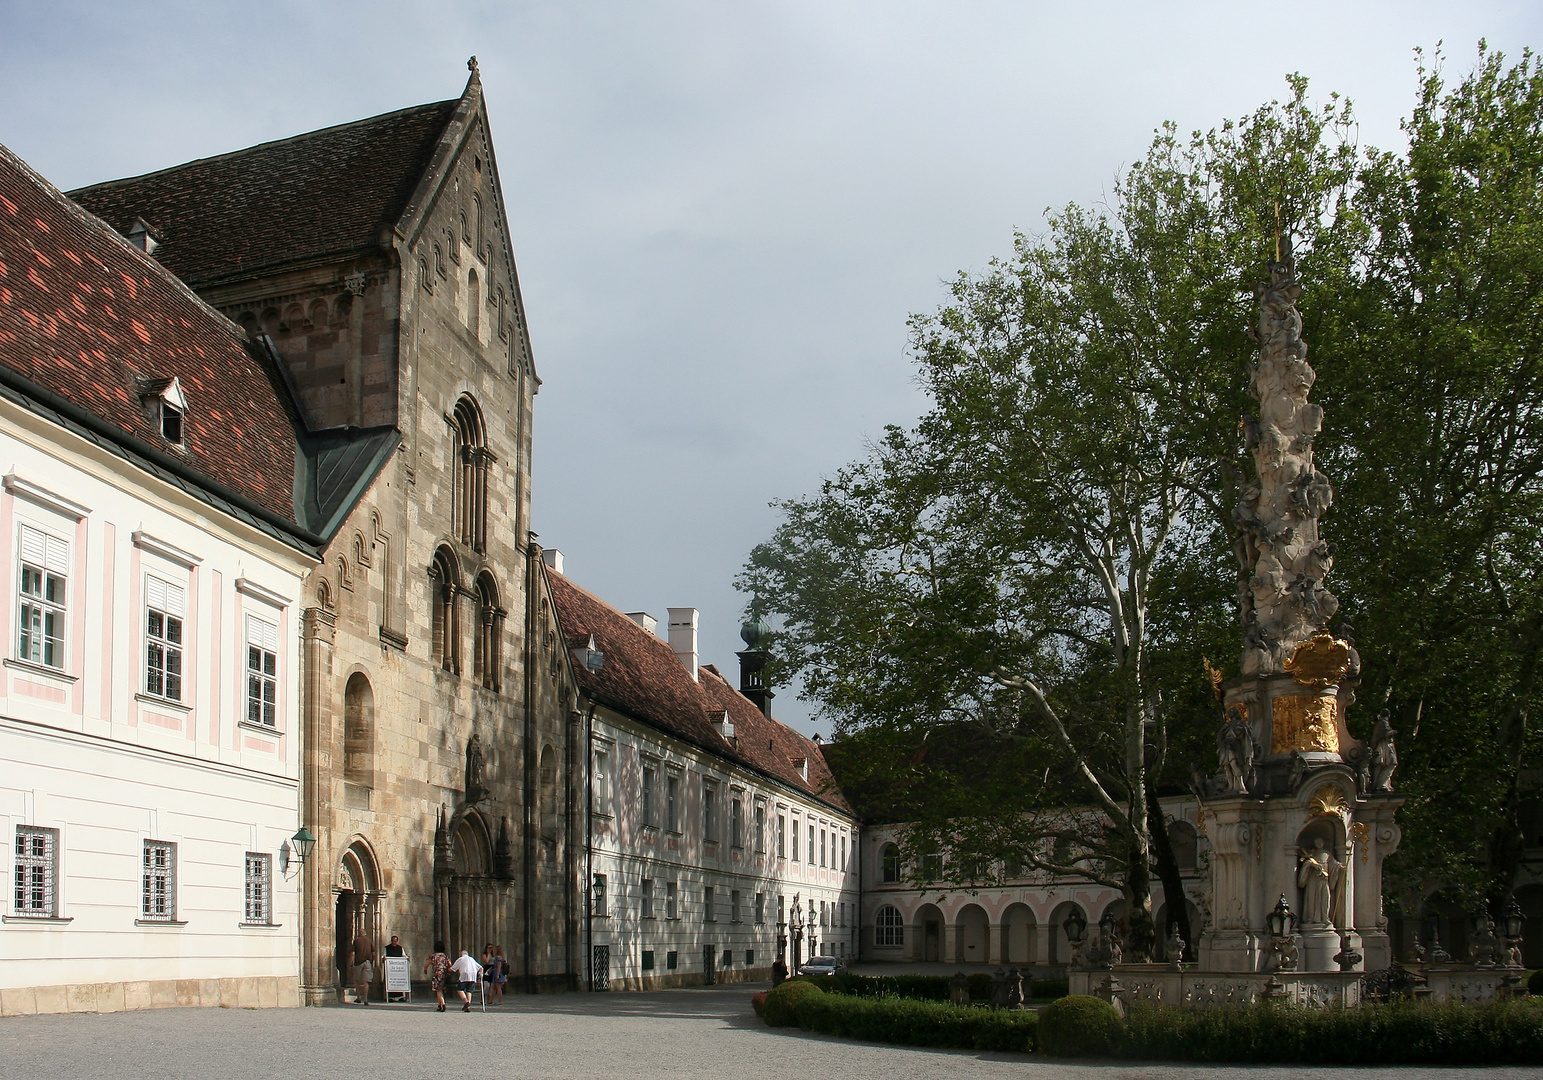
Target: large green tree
x,y
1038,555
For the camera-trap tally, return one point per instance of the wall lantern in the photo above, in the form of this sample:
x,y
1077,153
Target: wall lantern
x,y
1076,926
1514,921
304,844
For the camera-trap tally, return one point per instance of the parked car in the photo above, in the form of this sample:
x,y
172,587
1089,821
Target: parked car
x,y
823,965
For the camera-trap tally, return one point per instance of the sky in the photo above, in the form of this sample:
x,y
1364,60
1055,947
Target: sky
x,y
723,213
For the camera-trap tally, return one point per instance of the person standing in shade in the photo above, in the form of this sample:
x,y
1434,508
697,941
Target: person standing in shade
x,y
467,973
779,972
363,961
393,950
436,968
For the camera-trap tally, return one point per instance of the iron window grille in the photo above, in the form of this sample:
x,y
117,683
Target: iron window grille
x,y
259,888
159,903
37,872
45,564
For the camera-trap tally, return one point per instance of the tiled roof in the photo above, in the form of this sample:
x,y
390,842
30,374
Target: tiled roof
x,y
86,316
323,193
642,677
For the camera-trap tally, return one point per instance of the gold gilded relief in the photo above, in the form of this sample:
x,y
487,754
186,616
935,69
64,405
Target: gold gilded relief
x,y
1304,722
1328,800
1320,661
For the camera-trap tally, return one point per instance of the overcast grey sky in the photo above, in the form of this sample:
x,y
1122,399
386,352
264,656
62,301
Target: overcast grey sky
x,y
723,212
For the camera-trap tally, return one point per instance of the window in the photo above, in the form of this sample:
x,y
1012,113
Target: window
x,y
888,928
932,867
262,679
445,615
749,957
889,864
671,901
737,822
822,847
163,639
650,808
597,896
760,908
671,959
603,782
159,901
710,812
473,305
843,851
45,564
734,906
481,242
760,826
648,959
708,914
259,888
809,851
782,836
37,872
471,460
672,801
171,423
489,655
795,840
647,894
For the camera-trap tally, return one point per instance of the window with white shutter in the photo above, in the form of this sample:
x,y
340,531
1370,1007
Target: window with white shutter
x,y
262,664
42,607
165,605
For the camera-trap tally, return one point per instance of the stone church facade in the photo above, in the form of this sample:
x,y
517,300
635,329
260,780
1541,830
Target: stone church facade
x,y
440,761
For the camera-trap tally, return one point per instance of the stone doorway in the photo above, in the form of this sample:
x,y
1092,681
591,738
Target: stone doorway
x,y
357,906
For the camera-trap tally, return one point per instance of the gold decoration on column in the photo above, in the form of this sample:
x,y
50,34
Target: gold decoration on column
x,y
1304,722
1327,801
1319,662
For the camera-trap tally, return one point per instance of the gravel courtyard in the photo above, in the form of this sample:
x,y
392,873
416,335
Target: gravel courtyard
x,y
706,1033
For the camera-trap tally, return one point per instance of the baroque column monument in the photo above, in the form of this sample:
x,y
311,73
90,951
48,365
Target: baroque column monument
x,y
1297,810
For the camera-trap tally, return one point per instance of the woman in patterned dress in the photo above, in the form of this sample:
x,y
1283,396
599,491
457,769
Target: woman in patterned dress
x,y
436,968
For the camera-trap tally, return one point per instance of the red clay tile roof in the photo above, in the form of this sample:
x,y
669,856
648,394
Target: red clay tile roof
x,y
87,316
323,193
642,677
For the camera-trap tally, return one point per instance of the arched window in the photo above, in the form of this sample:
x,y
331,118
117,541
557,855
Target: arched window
x,y
474,305
548,803
470,461
480,242
503,314
888,928
444,612
423,274
490,634
359,731
889,864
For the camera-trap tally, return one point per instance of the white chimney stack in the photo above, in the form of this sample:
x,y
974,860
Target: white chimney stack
x,y
553,558
644,619
683,626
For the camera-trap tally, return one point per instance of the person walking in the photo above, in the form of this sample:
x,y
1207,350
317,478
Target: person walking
x,y
495,972
468,973
436,968
363,961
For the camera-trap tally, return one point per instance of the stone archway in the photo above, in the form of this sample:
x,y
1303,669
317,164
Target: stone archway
x,y
928,935
1061,948
472,910
1018,927
356,904
973,930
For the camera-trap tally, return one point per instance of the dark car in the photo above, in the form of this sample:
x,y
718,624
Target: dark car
x,y
823,965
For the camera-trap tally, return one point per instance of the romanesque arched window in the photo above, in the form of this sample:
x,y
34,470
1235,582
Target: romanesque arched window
x,y
446,634
471,462
474,305
490,634
359,731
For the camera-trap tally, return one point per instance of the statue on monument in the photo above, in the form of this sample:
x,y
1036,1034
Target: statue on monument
x,y
1236,750
1320,876
1384,755
474,766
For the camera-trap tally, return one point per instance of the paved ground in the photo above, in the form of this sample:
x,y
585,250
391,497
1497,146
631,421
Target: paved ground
x,y
679,1034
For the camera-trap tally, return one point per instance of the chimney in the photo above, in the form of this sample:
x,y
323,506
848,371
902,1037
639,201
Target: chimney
x,y
683,625
554,560
644,619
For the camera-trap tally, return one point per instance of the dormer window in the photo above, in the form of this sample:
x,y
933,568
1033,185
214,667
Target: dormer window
x,y
168,406
142,236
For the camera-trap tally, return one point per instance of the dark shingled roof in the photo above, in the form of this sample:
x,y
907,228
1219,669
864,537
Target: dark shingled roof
x,y
87,317
642,677
324,193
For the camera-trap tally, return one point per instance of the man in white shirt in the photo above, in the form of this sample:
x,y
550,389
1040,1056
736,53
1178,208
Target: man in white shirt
x,y
467,972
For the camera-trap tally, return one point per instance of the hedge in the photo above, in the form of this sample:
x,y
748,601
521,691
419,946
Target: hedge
x,y
778,1009
916,1023
1078,1026
1406,1032
923,987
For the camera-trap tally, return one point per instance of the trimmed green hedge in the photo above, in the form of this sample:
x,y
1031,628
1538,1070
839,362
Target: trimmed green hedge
x,y
916,1023
923,987
780,1005
1078,1026
1415,1033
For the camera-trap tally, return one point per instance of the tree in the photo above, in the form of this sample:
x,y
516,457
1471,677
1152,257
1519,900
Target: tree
x,y
1021,561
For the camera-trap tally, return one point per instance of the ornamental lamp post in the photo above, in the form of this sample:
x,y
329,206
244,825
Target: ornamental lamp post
x,y
1076,926
1282,920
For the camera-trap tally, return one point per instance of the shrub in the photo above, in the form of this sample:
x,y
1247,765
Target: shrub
x,y
916,1023
758,1002
980,987
1077,1025
781,1002
1404,1032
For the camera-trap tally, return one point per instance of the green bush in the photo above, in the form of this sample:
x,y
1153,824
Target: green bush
x,y
916,1023
778,1011
758,1001
1078,1025
980,987
1405,1032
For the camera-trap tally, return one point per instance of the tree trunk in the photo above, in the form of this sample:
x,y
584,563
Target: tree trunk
x,y
1168,873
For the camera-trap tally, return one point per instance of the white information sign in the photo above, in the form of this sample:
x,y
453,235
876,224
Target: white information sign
x,y
398,975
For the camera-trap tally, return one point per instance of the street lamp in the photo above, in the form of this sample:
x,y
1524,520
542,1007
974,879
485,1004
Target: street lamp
x,y
1076,926
1281,921
304,843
